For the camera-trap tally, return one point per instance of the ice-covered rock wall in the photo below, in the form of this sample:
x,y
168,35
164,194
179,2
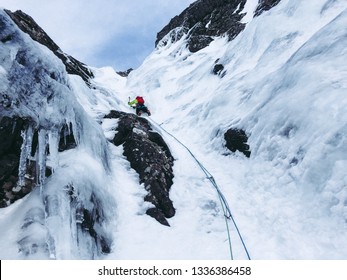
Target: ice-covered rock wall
x,y
28,25
64,216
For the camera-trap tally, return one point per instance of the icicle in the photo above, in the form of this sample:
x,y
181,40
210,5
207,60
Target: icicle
x,y
53,141
27,136
53,223
41,158
75,128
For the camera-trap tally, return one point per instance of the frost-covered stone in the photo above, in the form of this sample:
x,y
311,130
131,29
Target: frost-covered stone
x,y
149,155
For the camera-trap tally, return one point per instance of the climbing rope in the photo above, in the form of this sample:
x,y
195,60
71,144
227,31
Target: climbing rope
x,y
225,206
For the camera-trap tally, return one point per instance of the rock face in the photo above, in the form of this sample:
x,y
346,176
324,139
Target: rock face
x,y
205,19
151,158
236,140
29,26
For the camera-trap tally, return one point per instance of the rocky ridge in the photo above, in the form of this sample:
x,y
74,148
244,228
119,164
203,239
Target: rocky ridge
x,y
205,19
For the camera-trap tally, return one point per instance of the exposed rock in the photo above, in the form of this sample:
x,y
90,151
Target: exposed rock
x,y
236,140
29,26
151,158
265,5
125,73
218,69
206,19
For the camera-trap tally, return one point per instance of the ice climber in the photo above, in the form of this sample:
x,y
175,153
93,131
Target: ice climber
x,y
139,104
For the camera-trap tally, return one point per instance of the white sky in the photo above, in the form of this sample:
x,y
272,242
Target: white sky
x,y
118,33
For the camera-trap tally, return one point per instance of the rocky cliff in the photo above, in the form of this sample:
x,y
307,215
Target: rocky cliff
x,y
205,19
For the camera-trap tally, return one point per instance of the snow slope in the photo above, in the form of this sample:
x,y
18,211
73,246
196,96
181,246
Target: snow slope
x,y
284,84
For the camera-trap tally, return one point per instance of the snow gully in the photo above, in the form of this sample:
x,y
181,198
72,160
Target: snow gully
x,y
224,204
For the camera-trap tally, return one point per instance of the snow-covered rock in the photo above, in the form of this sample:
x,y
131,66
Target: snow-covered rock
x,y
38,108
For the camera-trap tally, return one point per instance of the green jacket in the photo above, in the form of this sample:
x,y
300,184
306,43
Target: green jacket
x,y
133,103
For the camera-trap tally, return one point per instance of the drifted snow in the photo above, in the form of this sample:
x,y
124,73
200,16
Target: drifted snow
x,y
285,85
249,9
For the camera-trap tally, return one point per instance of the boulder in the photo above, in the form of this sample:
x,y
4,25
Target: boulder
x,y
236,140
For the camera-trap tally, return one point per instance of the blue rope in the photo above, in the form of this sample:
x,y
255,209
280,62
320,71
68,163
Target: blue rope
x,y
225,206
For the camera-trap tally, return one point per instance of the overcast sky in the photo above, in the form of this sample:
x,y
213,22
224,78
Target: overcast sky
x,y
117,33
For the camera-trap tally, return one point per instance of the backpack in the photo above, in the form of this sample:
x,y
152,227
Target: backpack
x,y
140,100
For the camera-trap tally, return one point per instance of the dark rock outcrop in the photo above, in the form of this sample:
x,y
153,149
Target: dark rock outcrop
x,y
236,140
218,69
125,73
29,26
151,158
206,19
265,5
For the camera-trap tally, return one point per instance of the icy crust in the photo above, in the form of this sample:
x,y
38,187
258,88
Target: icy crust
x,y
78,208
69,220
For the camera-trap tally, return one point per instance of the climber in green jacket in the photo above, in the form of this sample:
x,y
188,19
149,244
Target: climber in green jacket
x,y
138,103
